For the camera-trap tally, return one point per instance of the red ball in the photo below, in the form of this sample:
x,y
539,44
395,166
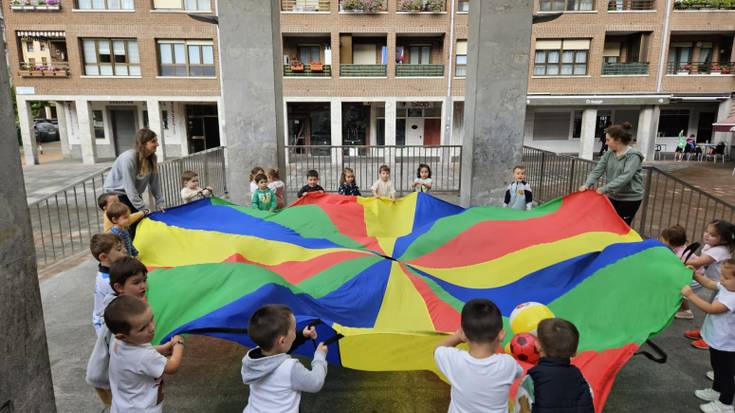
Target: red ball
x,y
523,348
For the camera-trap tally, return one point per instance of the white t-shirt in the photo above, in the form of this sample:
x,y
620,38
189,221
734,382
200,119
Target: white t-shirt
x,y
719,329
253,187
102,289
135,377
478,385
421,187
719,253
384,189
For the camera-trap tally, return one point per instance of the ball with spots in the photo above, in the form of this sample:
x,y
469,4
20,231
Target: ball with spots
x,y
523,348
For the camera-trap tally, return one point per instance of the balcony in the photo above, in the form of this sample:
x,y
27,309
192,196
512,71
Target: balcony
x,y
700,68
422,6
630,5
309,70
55,69
351,70
363,6
704,5
408,70
32,5
622,69
305,6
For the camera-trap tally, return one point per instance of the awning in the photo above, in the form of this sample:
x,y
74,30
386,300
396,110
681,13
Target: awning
x,y
727,125
50,34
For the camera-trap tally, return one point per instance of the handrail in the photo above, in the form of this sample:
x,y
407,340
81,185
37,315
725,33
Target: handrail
x,y
70,186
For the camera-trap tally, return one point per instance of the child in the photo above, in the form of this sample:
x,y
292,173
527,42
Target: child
x,y
680,145
106,249
276,379
119,214
253,173
312,184
676,238
263,198
518,195
719,334
556,384
275,183
104,200
480,378
191,190
422,183
136,367
719,240
347,185
383,187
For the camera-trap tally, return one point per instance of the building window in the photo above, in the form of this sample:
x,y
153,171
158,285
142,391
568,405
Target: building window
x,y
566,5
188,5
111,57
419,55
463,6
673,121
29,46
99,124
309,53
460,63
561,57
186,58
164,118
42,46
106,4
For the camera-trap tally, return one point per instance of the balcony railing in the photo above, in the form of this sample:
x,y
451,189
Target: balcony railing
x,y
628,5
326,71
701,68
305,6
704,5
407,70
634,68
30,5
422,6
55,69
363,70
363,6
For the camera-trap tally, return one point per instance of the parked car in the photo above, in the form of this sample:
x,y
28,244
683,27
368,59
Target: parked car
x,y
46,130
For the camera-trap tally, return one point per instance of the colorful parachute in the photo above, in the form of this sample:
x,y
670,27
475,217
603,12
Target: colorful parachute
x,y
392,277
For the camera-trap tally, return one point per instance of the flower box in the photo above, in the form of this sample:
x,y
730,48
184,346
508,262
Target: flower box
x,y
37,73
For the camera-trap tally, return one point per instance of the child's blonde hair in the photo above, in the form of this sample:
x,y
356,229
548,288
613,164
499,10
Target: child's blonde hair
x,y
273,174
342,177
116,210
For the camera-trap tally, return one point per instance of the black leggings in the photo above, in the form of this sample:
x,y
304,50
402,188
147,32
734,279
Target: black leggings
x,y
124,199
626,209
723,364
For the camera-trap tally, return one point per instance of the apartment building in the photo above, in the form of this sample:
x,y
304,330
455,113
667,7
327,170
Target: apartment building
x,y
373,72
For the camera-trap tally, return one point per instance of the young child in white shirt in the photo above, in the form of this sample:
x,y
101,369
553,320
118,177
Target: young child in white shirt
x,y
106,249
191,190
480,377
383,187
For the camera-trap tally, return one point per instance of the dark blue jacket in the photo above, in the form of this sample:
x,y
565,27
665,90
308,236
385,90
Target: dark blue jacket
x,y
559,387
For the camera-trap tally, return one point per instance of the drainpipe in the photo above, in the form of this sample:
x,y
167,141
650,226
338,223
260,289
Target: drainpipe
x,y
448,103
664,41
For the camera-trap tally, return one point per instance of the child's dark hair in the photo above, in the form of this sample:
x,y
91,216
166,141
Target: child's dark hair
x,y
726,231
125,268
312,172
102,199
268,323
119,312
116,210
558,337
384,168
103,244
187,176
273,173
422,166
260,177
675,236
622,132
342,177
255,171
517,167
728,265
481,320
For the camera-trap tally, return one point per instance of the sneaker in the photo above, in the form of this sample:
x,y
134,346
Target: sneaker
x,y
708,394
710,375
693,334
716,407
684,315
700,344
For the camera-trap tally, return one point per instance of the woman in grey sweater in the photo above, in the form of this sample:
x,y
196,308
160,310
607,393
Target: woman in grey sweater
x,y
134,171
622,166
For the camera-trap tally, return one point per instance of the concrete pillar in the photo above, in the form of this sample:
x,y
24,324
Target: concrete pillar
x,y
178,111
335,119
25,372
587,139
86,132
390,131
447,112
373,138
27,133
723,112
496,86
647,130
156,125
63,129
252,89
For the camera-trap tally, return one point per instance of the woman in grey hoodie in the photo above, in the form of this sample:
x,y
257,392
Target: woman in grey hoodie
x,y
622,166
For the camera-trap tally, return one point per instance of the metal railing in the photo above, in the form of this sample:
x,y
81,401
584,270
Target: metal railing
x,y
667,199
307,72
363,6
628,5
55,69
445,163
419,6
349,70
64,222
634,68
566,5
700,68
305,6
409,70
704,5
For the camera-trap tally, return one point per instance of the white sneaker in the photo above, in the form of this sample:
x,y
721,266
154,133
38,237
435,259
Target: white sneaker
x,y
716,407
707,395
710,375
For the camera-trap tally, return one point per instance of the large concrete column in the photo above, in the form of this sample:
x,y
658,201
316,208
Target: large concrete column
x,y
86,132
335,127
252,90
390,122
587,139
63,129
156,125
647,130
25,372
27,133
496,86
723,112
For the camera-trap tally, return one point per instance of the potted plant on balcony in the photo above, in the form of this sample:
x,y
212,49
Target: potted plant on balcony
x,y
37,71
53,4
411,6
27,5
16,5
434,6
363,6
726,69
715,68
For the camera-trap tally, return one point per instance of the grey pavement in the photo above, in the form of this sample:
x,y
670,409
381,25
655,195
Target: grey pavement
x,y
209,379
